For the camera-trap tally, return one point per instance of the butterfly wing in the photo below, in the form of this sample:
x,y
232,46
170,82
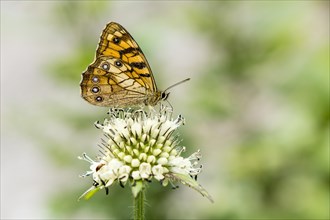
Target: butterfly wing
x,y
120,76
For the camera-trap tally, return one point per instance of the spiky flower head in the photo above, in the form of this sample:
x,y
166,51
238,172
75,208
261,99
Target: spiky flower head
x,y
141,146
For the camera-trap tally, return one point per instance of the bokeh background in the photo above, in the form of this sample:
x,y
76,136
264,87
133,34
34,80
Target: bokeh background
x,y
257,106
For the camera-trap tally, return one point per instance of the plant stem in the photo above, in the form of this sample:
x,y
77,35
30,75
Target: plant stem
x,y
139,206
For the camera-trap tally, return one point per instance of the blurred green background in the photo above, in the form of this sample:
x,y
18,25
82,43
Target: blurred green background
x,y
257,106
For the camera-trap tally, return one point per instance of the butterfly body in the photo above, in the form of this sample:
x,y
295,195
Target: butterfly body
x,y
120,75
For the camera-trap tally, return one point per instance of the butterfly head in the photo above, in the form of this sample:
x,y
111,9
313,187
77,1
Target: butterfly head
x,y
164,95
156,97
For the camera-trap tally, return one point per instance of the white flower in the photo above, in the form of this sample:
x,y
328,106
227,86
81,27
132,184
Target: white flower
x,y
141,146
158,171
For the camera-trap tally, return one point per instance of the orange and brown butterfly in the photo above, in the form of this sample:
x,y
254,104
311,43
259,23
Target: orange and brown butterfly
x,y
120,75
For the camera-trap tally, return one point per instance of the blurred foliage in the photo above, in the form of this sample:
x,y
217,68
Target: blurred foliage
x,y
283,171
67,17
269,82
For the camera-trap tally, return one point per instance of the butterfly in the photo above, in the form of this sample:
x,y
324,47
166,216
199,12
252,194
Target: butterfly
x,y
120,75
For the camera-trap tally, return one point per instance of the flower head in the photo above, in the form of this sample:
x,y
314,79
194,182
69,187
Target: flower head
x,y
142,146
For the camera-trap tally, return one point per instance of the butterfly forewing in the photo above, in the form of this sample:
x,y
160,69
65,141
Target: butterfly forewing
x,y
120,75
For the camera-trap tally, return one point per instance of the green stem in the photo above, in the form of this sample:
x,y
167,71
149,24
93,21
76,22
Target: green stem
x,y
139,206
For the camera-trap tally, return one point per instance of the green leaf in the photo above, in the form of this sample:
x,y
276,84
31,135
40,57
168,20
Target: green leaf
x,y
89,193
136,188
187,180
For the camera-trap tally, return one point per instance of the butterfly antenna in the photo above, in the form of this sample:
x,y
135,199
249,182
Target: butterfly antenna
x,y
178,83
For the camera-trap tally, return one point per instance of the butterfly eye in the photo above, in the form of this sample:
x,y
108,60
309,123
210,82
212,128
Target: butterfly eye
x,y
105,66
95,79
95,89
99,99
164,95
116,40
118,63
